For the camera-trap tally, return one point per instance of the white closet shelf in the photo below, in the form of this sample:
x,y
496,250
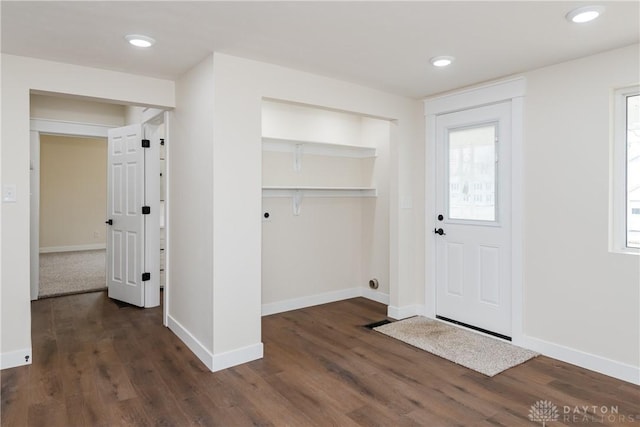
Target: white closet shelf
x,y
291,191
297,193
318,148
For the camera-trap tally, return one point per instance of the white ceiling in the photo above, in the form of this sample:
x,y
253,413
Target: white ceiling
x,y
386,45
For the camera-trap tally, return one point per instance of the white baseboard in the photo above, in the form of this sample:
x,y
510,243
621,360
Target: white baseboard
x,y
405,311
91,247
308,301
237,357
190,341
13,359
376,296
324,298
215,362
580,358
612,368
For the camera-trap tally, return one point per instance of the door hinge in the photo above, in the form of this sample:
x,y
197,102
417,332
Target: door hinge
x,y
146,210
146,277
146,143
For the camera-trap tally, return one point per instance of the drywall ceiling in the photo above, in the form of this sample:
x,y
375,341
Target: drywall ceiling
x,y
386,45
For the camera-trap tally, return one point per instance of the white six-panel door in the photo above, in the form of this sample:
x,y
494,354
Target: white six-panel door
x,y
125,198
473,224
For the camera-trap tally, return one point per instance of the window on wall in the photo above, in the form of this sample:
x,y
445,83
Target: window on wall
x,y
626,183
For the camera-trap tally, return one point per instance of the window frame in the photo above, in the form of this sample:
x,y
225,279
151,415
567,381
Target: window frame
x,y
618,235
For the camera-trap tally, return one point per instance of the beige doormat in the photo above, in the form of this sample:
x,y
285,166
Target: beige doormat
x,y
63,273
486,355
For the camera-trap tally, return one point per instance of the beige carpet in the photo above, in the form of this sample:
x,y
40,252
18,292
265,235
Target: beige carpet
x,y
486,355
72,272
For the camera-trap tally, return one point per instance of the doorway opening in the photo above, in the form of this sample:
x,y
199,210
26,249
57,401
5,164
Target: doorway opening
x,y
73,183
58,119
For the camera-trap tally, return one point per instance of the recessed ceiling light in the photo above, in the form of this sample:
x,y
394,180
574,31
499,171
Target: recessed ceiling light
x,y
584,14
441,61
140,40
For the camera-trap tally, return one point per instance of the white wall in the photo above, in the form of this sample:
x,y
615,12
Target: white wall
x,y
240,86
73,192
72,109
375,212
132,114
190,153
577,294
20,75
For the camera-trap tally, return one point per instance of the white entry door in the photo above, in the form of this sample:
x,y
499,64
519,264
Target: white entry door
x,y
473,218
126,223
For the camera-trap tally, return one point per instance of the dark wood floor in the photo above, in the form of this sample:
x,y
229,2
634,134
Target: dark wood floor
x,y
99,365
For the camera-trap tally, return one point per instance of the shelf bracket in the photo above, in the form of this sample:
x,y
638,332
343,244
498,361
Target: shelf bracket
x,y
297,157
297,202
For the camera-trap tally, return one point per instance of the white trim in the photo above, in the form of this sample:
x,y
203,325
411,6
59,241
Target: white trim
x,y
517,219
310,300
53,127
290,191
323,298
167,219
60,127
406,311
150,114
511,90
237,357
74,248
215,362
430,207
491,93
612,368
618,173
376,296
282,145
34,214
16,358
190,341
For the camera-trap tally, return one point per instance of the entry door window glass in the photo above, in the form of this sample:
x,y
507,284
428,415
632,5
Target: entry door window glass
x,y
472,173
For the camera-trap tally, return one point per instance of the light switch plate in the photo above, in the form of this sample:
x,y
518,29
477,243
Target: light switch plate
x,y
9,193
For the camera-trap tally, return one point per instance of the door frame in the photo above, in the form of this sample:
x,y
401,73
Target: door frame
x,y
39,127
513,91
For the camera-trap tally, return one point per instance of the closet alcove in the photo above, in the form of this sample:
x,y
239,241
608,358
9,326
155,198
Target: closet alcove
x,y
325,199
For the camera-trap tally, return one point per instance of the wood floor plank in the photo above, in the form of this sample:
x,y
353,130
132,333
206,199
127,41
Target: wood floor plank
x,y
96,364
267,400
159,402
47,414
374,416
129,412
14,395
315,402
87,410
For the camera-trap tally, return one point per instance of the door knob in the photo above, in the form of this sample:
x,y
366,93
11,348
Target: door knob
x,y
110,222
439,231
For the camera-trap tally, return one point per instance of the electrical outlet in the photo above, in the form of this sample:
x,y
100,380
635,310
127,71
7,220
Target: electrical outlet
x,y
96,234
